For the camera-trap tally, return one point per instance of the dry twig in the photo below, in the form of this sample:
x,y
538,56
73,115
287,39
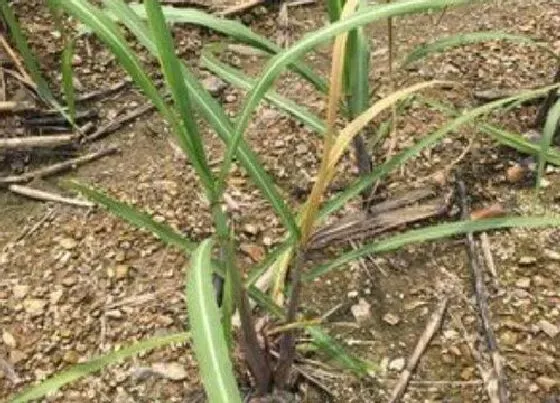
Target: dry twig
x,y
36,141
59,167
482,302
429,331
116,123
47,196
102,91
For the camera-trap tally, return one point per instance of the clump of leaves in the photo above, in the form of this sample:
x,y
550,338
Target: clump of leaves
x,y
210,323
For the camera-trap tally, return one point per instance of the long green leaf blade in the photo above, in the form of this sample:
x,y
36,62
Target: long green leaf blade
x,y
208,340
214,114
233,29
187,133
430,234
239,79
549,131
67,79
136,217
358,186
337,353
470,38
362,17
109,33
96,364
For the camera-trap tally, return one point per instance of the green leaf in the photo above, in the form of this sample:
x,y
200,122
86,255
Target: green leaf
x,y
95,364
108,32
213,113
187,133
469,38
357,67
234,29
502,136
430,234
67,79
361,17
136,217
334,9
548,136
337,353
208,340
29,60
380,171
240,80
518,143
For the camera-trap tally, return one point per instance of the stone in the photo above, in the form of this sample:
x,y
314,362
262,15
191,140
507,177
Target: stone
x,y
250,229
20,291
170,370
68,243
524,283
71,357
34,306
69,281
121,271
397,364
548,328
17,356
552,254
8,339
361,311
391,319
55,296
527,260
114,314
546,383
213,85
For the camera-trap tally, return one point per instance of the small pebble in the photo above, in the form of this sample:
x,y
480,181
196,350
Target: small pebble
x,y
361,311
524,282
548,328
391,319
527,260
397,364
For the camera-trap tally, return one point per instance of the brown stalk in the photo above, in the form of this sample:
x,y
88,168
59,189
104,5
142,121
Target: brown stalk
x,y
287,340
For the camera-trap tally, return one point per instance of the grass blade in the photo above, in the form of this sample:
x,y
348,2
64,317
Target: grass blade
x,y
108,32
354,189
548,136
96,364
230,28
213,113
502,136
67,79
239,79
337,353
362,17
29,60
430,234
187,133
208,340
469,38
518,143
135,217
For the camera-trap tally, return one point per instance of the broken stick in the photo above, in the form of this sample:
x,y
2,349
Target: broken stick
x,y
47,196
59,167
481,296
423,342
116,123
36,141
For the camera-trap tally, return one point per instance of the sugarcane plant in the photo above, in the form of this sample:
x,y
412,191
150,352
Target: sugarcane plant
x,y
347,90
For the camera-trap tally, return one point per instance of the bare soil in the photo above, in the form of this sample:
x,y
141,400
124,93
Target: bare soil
x,y
83,282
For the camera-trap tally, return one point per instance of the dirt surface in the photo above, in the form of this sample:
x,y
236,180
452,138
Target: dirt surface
x,y
77,283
